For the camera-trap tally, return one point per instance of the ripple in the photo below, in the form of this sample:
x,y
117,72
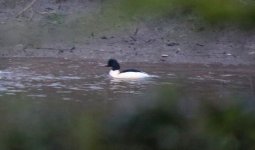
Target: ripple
x,y
64,92
9,93
66,99
37,95
94,87
64,80
56,85
2,89
227,75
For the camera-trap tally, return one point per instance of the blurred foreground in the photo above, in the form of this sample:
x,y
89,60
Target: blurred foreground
x,y
163,120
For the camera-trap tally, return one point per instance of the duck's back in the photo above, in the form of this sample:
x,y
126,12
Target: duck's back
x,y
130,70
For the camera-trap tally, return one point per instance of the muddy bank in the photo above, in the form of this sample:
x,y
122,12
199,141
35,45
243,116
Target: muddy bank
x,y
85,30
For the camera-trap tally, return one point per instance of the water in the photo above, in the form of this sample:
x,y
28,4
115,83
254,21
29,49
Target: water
x,y
87,81
48,103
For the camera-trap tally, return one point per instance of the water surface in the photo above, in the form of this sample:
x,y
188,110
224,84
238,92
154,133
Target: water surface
x,y
87,81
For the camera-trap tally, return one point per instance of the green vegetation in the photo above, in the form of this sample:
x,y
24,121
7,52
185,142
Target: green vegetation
x,y
214,11
165,121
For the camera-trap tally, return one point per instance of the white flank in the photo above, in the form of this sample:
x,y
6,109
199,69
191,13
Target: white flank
x,y
128,75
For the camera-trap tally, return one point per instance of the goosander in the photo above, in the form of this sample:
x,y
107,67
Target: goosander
x,y
125,74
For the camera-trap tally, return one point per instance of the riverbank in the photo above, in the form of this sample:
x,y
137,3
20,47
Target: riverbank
x,y
82,29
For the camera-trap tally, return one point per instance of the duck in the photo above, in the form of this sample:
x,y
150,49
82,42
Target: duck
x,y
125,74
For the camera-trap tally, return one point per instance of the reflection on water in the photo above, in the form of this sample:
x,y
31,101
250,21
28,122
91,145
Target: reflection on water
x,y
78,80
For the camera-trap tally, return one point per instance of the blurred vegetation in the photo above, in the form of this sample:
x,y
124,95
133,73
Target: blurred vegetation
x,y
165,120
213,11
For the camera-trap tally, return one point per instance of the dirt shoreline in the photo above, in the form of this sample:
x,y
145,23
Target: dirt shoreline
x,y
78,29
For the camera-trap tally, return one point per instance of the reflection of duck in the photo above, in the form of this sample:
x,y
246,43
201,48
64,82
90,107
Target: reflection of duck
x,y
125,74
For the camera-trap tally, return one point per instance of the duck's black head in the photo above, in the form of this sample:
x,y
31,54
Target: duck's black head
x,y
114,64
